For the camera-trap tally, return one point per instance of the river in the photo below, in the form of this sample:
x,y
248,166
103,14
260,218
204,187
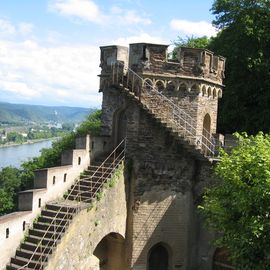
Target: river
x,y
15,155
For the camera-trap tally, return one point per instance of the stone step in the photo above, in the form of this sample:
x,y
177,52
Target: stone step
x,y
56,207
80,198
49,227
31,247
47,233
93,186
87,182
30,255
57,221
58,214
43,241
19,261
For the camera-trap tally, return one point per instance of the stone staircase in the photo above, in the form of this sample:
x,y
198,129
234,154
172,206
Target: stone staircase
x,y
175,121
48,228
165,112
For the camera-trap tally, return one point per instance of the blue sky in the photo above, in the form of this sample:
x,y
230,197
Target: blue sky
x,y
49,49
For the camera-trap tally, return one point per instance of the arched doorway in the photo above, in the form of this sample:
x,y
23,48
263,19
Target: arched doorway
x,y
109,252
221,260
206,138
158,258
120,126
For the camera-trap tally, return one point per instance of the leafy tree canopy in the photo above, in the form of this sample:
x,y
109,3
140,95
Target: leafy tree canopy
x,y
13,180
244,40
238,206
190,42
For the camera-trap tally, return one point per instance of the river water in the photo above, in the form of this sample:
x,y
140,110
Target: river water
x,y
15,155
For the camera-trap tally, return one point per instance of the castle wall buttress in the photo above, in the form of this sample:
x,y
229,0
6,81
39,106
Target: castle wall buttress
x,y
166,191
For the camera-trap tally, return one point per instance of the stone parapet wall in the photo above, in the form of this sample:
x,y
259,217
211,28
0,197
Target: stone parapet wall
x,y
50,184
88,229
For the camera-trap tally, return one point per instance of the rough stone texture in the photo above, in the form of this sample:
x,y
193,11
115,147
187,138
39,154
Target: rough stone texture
x,y
88,228
166,180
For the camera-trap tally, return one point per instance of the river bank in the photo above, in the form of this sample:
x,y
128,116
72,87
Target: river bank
x,y
28,142
15,155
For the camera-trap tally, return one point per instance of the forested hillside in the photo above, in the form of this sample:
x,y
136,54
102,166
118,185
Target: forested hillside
x,y
21,113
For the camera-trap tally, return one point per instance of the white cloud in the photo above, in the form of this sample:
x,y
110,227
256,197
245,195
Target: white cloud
x,y
143,37
200,28
25,28
88,10
82,9
6,28
64,75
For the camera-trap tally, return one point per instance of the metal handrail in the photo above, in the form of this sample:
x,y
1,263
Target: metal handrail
x,y
53,223
206,142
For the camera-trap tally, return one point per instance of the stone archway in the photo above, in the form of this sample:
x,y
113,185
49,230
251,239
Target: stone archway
x,y
158,258
109,252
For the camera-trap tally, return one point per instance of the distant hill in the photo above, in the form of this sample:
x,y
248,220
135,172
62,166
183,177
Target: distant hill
x,y
21,113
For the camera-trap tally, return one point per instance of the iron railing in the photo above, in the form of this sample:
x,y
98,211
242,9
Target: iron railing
x,y
117,155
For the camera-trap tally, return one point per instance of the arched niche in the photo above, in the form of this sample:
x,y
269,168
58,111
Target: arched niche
x,y
159,257
221,260
170,86
160,86
195,88
110,252
203,91
183,87
147,84
206,135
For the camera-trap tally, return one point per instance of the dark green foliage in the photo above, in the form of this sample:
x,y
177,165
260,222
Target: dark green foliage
x,y
9,186
91,124
190,42
238,207
245,41
13,180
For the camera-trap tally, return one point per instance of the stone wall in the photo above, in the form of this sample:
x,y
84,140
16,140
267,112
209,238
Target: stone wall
x,y
50,184
89,227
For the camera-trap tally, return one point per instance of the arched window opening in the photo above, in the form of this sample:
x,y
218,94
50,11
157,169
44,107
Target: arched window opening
x,y
39,202
214,93
209,92
158,258
182,87
160,86
195,88
79,160
221,260
170,87
54,180
23,226
204,91
7,232
148,84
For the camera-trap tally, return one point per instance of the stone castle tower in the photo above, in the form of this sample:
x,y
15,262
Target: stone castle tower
x,y
159,121
167,110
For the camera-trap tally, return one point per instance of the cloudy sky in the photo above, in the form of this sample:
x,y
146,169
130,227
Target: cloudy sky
x,y
49,49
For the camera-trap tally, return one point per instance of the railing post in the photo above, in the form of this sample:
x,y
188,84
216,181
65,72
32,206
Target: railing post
x,y
117,70
113,66
132,83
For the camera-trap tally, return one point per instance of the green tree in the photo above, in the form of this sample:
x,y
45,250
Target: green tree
x,y
9,186
244,39
238,206
191,42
